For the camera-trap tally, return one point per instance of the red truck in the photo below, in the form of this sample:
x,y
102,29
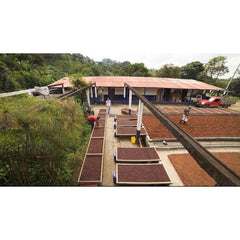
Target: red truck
x,y
216,102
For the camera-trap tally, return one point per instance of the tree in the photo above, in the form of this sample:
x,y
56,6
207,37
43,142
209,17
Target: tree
x,y
87,71
235,87
216,67
192,70
168,71
136,69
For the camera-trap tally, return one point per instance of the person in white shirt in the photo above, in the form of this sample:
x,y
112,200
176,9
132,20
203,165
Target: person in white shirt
x,y
108,103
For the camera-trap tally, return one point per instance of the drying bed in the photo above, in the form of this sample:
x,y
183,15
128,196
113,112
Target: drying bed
x,y
102,115
101,122
127,123
102,110
95,146
129,131
197,110
191,174
128,117
91,171
136,154
98,132
211,126
126,111
141,174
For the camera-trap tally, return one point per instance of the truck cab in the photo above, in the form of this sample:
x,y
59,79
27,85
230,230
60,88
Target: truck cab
x,y
211,102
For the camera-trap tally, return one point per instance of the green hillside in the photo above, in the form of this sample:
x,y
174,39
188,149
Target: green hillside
x,y
42,143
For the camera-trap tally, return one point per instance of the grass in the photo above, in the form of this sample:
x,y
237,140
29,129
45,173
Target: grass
x,y
42,142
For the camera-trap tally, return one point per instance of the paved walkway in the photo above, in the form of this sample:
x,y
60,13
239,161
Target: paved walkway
x,y
111,144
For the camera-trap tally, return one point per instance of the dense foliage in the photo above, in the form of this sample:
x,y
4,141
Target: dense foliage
x,y
21,71
41,142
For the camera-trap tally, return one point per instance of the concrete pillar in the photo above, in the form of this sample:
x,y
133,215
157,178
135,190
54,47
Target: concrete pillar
x,y
91,92
139,120
95,94
88,96
124,92
191,96
130,101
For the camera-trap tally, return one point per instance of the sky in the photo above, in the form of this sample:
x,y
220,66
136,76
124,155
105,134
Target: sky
x,y
155,32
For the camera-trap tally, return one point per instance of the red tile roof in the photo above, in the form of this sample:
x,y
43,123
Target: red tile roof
x,y
143,82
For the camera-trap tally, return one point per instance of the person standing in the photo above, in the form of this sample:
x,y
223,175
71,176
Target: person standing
x,y
108,103
92,119
185,115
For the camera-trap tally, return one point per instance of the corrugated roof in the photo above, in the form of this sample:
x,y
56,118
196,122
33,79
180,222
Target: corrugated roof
x,y
143,82
65,81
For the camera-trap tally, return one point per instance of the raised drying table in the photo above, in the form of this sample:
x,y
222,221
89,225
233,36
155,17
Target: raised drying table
x,y
91,171
125,117
128,131
98,132
92,167
137,155
141,174
126,123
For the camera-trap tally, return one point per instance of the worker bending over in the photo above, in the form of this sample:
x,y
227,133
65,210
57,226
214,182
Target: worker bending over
x,y
92,119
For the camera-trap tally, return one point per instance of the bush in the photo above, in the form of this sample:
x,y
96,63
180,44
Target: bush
x,y
42,142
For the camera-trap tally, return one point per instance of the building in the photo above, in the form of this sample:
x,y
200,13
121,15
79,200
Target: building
x,y
157,90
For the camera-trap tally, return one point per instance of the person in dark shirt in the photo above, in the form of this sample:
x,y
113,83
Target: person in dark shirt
x,y
92,119
185,115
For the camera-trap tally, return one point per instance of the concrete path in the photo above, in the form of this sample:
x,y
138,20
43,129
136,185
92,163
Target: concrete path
x,y
111,144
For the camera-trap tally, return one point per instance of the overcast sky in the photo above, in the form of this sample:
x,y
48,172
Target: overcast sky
x,y
154,32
